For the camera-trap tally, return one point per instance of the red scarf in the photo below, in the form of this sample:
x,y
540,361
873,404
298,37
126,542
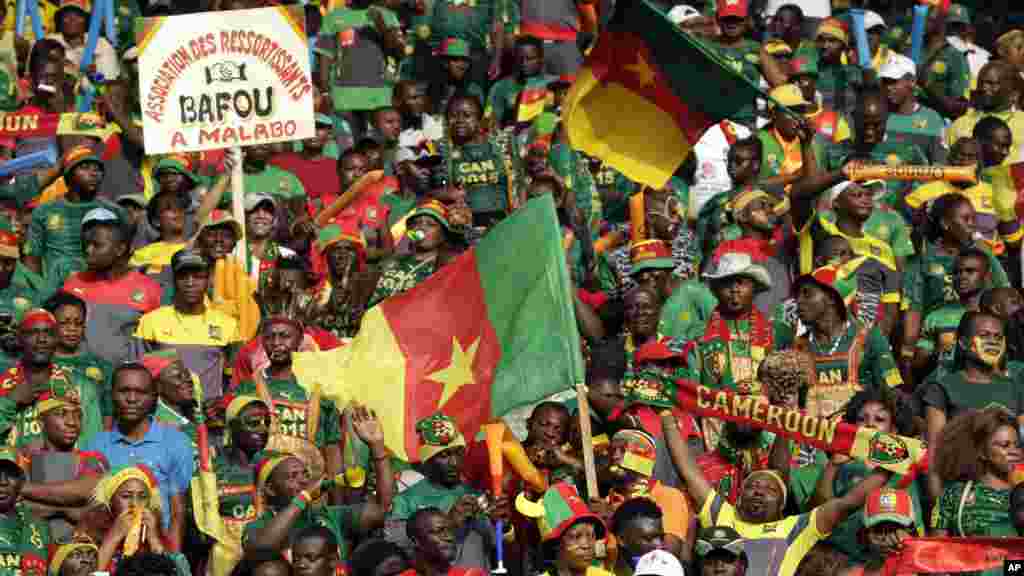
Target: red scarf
x,y
760,329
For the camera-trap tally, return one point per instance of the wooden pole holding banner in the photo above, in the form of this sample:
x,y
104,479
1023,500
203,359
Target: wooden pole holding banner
x,y
238,202
590,472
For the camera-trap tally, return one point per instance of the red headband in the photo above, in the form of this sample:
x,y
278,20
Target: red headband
x,y
35,316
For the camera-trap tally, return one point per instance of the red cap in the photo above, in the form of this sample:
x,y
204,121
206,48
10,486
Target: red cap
x,y
737,8
888,505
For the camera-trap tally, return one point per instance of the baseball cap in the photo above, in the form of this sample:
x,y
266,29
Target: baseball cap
x,y
957,14
137,199
732,8
873,20
888,505
254,200
683,13
100,215
898,67
454,48
658,563
789,95
715,538
187,258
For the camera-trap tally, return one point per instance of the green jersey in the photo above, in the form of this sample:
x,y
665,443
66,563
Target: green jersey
x,y
24,543
923,128
425,494
91,366
28,426
362,70
745,59
838,87
503,100
615,190
890,152
291,405
55,235
938,334
686,312
236,490
489,172
947,72
472,21
928,280
572,167
399,274
952,395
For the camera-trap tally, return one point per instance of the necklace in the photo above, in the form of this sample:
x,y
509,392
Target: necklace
x,y
834,345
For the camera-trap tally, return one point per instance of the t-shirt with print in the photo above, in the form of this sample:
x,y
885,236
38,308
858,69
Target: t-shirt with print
x,y
55,235
947,72
236,491
114,309
952,394
923,128
362,71
291,405
772,548
938,334
24,543
928,279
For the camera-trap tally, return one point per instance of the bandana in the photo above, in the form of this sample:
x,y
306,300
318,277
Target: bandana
x,y
105,489
267,466
61,394
748,195
237,404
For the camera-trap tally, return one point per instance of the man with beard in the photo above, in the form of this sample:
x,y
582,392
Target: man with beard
x,y
306,417
633,454
54,246
204,337
442,451
21,537
288,492
117,296
773,543
24,384
888,520
848,356
314,168
993,97
135,437
434,547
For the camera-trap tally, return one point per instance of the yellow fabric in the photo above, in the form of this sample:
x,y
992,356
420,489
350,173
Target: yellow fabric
x,y
356,371
928,192
55,191
964,126
44,406
66,550
428,451
237,405
109,484
167,326
156,256
227,546
267,469
792,154
797,541
595,124
866,245
1004,193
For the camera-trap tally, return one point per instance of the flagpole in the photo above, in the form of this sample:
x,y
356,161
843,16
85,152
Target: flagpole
x,y
588,441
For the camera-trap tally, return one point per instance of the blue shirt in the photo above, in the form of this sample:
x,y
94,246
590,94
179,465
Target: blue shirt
x,y
165,449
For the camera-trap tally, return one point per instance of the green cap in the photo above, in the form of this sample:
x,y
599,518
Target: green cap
x,y
178,163
454,48
435,210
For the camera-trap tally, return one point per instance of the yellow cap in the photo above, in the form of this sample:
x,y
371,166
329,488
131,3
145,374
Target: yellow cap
x,y
789,95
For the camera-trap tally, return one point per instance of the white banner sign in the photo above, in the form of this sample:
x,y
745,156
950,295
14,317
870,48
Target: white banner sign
x,y
219,79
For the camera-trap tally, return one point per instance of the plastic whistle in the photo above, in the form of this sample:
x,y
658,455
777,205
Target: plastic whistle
x,y
416,235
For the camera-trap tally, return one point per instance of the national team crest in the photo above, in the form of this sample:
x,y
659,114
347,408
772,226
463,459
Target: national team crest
x,y
94,373
893,160
215,333
55,222
138,296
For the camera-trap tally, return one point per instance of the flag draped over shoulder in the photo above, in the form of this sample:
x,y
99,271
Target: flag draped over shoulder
x,y
646,93
492,330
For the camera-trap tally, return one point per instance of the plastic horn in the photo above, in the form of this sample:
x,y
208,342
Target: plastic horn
x,y
917,32
38,159
495,436
637,217
913,173
19,17
111,22
860,35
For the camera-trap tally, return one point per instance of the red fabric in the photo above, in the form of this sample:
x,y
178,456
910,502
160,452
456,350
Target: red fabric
x,y
133,290
367,211
319,176
952,555
243,368
759,250
593,299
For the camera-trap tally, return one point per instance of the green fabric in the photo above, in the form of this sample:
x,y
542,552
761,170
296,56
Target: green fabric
x,y
423,494
399,274
55,235
832,156
357,97
89,384
928,280
987,514
961,395
947,72
923,128
397,206
503,99
235,504
17,299
572,167
615,190
714,358
29,279
88,365
292,419
22,190
938,333
342,521
166,414
281,184
484,170
745,60
685,314
22,538
713,221
452,19
837,85
893,229
529,287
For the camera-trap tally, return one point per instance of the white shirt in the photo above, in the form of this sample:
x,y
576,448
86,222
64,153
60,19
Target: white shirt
x,y
712,152
811,8
431,129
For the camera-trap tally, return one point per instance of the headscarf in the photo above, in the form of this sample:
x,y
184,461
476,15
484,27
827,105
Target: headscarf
x,y
108,485
64,550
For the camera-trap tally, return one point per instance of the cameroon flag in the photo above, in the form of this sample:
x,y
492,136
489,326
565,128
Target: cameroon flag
x,y
492,330
647,92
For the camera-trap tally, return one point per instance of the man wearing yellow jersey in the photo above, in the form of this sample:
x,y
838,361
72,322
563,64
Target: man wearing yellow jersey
x,y
993,97
774,544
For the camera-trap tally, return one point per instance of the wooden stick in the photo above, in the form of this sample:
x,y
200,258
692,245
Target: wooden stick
x,y
238,203
588,441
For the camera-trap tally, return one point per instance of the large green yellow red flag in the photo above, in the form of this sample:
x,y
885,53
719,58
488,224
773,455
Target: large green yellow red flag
x,y
647,92
492,330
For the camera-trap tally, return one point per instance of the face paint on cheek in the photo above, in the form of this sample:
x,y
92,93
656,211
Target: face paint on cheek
x,y
989,350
